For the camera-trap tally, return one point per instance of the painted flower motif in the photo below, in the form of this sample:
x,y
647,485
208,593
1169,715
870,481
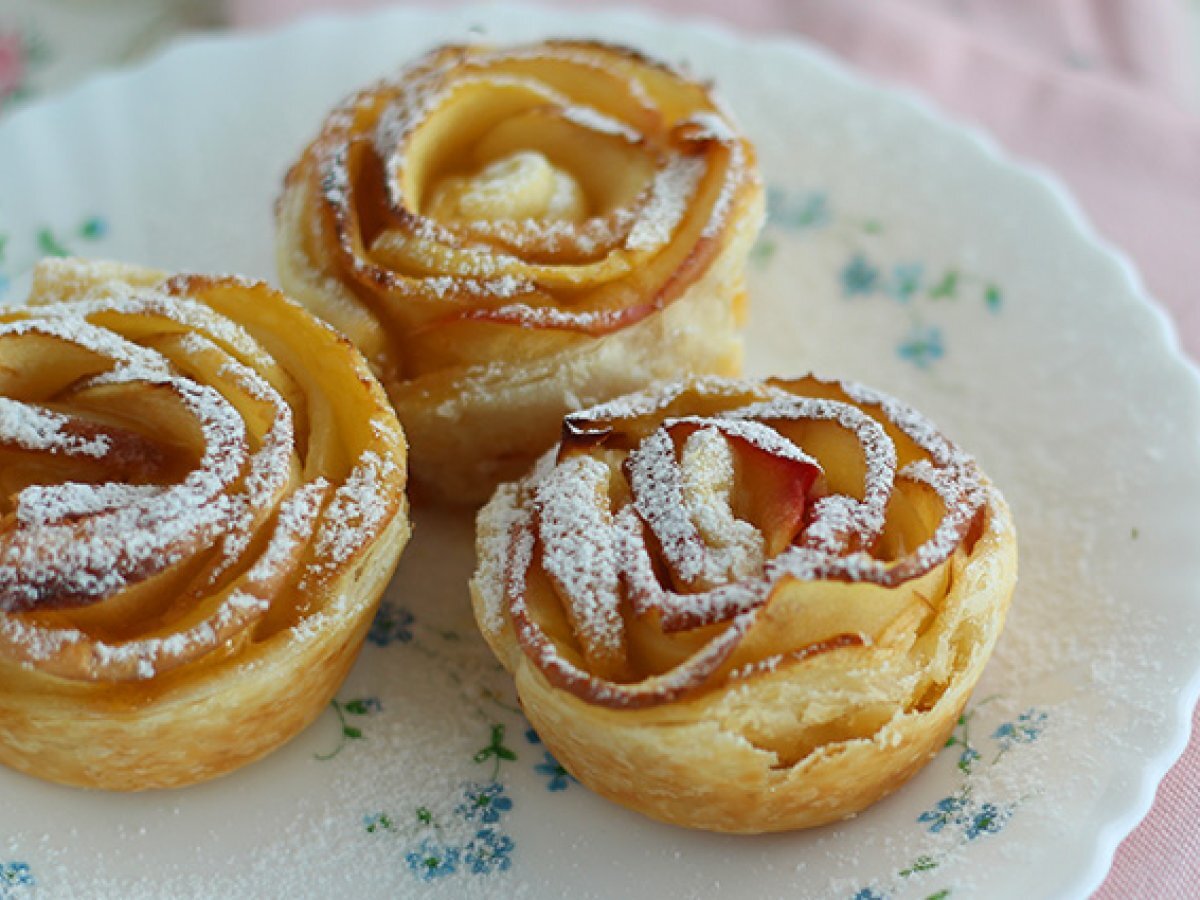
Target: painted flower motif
x,y
993,297
946,287
989,819
433,859
796,213
905,281
923,863
923,346
392,623
12,64
360,706
967,758
484,803
859,276
559,778
496,750
975,821
93,228
532,736
869,894
489,851
13,876
1027,728
763,251
949,811
375,822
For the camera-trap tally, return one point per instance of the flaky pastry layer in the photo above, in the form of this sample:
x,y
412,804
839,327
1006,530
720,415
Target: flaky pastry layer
x,y
201,500
744,606
508,234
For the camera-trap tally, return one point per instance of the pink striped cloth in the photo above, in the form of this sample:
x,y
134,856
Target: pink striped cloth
x,y
1096,91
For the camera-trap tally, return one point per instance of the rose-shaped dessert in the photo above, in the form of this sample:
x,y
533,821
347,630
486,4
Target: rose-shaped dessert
x,y
746,606
201,499
509,234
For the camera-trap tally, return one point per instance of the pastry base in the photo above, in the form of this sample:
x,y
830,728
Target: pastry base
x,y
473,430
203,720
678,764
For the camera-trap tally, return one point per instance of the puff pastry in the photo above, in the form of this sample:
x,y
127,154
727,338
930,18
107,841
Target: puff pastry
x,y
201,499
507,234
742,606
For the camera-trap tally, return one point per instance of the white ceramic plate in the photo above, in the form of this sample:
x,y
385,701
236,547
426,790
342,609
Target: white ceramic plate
x,y
902,251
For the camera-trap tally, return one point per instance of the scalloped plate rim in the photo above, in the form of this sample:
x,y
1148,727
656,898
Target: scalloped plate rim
x,y
981,143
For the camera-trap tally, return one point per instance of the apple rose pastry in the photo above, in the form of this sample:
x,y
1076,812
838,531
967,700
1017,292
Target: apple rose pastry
x,y
510,234
201,499
746,606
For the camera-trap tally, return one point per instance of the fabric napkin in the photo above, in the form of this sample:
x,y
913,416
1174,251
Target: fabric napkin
x,y
1094,90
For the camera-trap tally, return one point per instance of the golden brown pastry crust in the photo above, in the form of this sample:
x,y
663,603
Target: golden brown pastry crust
x,y
508,234
742,606
219,480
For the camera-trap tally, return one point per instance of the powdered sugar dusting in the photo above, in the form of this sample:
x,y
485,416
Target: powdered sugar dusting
x,y
88,560
496,523
736,548
42,505
356,513
712,126
548,316
76,543
658,496
579,548
499,287
34,428
719,570
594,120
456,239
674,186
838,520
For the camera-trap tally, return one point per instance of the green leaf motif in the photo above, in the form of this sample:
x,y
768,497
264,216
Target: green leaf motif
x,y
384,822
359,707
93,229
940,895
797,212
762,252
49,245
922,864
947,288
495,750
993,298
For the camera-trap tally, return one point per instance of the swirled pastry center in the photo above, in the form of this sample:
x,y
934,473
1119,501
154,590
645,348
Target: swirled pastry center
x,y
522,185
673,544
172,483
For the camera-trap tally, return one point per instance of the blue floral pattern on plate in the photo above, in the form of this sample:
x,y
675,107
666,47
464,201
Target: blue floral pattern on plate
x,y
16,880
47,242
963,814
472,840
866,273
392,623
